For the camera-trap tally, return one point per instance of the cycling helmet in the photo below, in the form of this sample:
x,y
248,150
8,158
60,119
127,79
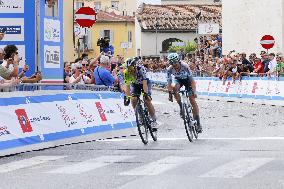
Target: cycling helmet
x,y
173,58
133,61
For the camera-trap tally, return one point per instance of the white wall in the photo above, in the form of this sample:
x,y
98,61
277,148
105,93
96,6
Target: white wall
x,y
148,41
246,21
179,2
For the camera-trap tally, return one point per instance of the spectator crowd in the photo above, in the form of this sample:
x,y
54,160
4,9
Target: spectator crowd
x,y
107,69
10,72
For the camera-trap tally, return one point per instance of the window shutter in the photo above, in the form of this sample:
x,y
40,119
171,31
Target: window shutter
x,y
111,36
102,33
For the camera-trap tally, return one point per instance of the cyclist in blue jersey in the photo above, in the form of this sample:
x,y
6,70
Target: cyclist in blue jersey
x,y
182,77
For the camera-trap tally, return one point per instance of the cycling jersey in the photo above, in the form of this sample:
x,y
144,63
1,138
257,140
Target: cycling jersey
x,y
183,73
140,76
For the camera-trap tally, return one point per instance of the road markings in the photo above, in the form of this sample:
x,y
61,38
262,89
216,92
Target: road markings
x,y
177,139
238,168
13,166
159,166
89,165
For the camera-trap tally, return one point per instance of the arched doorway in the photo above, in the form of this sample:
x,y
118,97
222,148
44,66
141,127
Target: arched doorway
x,y
168,43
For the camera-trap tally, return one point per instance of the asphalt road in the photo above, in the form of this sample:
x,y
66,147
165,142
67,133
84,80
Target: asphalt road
x,y
242,147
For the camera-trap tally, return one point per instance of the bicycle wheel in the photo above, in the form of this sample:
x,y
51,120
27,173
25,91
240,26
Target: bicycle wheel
x,y
195,133
141,124
148,123
187,122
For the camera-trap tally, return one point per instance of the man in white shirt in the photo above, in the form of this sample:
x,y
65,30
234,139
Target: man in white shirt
x,y
79,77
272,65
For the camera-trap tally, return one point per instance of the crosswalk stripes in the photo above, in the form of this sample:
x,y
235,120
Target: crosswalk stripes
x,y
160,166
89,165
13,166
238,168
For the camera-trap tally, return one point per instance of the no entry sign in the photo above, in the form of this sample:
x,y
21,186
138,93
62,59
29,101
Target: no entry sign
x,y
86,17
267,41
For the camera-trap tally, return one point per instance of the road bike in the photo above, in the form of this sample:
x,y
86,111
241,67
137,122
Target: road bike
x,y
144,123
189,122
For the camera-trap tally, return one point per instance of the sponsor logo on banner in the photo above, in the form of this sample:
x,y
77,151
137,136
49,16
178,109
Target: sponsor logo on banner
x,y
4,131
88,117
40,119
125,111
68,120
51,56
101,111
254,88
11,6
24,120
51,30
13,29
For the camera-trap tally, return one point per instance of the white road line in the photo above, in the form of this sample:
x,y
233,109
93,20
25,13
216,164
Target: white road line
x,y
177,139
159,166
89,165
237,169
27,163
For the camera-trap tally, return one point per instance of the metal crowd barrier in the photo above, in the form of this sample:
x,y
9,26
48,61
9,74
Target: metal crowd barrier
x,y
58,86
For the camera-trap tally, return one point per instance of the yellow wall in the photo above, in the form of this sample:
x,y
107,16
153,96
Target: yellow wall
x,y
120,34
68,34
120,29
124,5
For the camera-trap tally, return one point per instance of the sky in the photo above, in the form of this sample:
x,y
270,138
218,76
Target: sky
x,y
149,1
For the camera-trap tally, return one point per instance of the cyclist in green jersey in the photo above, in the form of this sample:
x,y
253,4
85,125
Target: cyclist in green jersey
x,y
137,83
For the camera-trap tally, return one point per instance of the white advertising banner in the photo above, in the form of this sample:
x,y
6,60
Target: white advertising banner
x,y
51,56
13,29
261,88
51,30
51,117
12,6
208,28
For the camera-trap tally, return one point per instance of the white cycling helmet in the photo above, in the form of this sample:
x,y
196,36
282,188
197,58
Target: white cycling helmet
x,y
173,58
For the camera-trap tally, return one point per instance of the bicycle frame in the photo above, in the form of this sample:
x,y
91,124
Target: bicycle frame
x,y
189,122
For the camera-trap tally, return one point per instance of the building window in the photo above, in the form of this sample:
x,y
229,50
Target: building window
x,y
51,8
114,4
98,6
78,5
106,33
130,36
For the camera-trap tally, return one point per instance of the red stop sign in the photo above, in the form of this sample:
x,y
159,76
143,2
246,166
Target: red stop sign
x,y
267,41
86,17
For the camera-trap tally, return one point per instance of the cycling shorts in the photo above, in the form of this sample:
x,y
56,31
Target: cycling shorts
x,y
184,82
137,89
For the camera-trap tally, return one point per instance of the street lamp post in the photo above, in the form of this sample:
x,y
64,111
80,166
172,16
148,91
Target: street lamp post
x,y
156,26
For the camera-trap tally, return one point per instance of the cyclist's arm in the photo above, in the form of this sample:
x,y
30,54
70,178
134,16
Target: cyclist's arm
x,y
191,79
169,79
127,90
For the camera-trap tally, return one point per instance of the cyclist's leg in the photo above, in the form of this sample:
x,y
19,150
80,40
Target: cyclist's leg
x,y
135,90
148,102
176,87
195,108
